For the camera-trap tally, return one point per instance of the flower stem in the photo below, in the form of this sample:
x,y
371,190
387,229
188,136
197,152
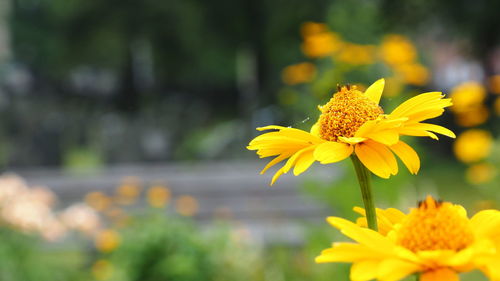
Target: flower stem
x,y
366,191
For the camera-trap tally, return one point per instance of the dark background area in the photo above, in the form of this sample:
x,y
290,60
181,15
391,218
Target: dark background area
x,y
89,83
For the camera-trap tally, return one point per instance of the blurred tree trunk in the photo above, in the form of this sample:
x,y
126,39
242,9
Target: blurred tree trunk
x,y
248,87
5,51
128,96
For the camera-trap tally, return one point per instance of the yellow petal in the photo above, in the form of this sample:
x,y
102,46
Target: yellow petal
x,y
276,176
364,236
426,110
274,162
486,223
290,133
315,129
377,158
416,104
395,269
351,140
417,133
364,270
433,128
492,268
330,152
296,157
394,215
425,114
441,274
374,92
387,137
297,145
270,127
277,147
407,155
465,257
384,131
305,160
347,252
385,218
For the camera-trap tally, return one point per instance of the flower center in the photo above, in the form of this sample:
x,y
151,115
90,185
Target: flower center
x,y
435,226
346,111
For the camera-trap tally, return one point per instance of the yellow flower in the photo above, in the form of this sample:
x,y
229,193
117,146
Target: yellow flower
x,y
321,44
158,196
186,205
356,54
473,116
353,122
298,73
98,200
437,240
396,49
466,96
107,240
473,145
128,191
413,73
480,173
494,83
468,104
312,28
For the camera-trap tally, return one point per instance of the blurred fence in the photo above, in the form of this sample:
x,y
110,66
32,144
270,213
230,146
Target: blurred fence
x,y
232,191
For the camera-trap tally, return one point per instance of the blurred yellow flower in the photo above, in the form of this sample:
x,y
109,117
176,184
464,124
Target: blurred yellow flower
x,y
321,44
494,84
472,117
158,196
129,191
436,240
117,215
353,123
473,145
467,96
107,240
480,173
102,269
413,74
356,54
298,73
312,28
186,205
397,49
97,200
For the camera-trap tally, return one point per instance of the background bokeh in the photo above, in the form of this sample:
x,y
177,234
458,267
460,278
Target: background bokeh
x,y
123,127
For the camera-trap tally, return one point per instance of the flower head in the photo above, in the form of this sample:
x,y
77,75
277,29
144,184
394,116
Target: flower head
x,y
397,50
473,145
436,239
353,122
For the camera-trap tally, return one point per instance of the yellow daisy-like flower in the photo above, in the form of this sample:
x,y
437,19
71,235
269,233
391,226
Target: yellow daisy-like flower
x,y
353,122
437,240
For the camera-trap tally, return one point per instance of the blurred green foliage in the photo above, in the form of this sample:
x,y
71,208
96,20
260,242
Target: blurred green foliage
x,y
27,257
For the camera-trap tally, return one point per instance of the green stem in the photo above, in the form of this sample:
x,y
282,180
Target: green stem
x,y
366,191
